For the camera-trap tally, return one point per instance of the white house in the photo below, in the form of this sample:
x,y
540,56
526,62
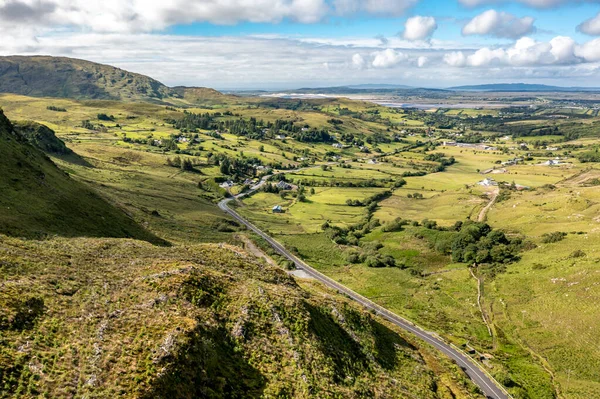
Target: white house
x,y
487,182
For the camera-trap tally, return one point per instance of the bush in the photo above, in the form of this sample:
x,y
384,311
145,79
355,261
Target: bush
x,y
550,238
56,109
353,258
578,254
395,225
104,117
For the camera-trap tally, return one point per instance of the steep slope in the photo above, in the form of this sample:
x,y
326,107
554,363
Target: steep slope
x,y
38,199
109,318
42,76
42,137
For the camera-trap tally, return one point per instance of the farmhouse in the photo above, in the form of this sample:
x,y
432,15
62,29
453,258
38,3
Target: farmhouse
x,y
551,162
277,209
227,184
337,145
487,182
282,185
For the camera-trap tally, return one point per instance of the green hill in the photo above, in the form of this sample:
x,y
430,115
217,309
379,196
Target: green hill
x,y
108,318
42,137
42,76
38,199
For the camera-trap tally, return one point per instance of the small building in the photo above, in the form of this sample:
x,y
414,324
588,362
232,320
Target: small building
x,y
337,145
280,137
248,182
488,182
283,185
227,184
372,162
552,162
277,209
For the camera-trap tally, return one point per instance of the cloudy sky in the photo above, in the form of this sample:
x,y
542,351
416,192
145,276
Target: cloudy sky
x,y
286,44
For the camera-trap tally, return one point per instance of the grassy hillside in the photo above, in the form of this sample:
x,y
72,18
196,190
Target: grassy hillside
x,y
38,199
41,76
42,137
109,318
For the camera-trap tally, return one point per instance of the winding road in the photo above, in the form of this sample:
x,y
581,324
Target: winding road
x,y
475,371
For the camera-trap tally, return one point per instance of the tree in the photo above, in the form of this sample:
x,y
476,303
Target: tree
x,y
225,166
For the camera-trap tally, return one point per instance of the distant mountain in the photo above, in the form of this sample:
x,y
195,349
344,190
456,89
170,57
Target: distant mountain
x,y
43,76
60,77
39,200
520,87
379,86
202,95
367,89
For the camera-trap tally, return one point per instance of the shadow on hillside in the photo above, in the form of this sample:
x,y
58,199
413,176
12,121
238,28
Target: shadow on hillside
x,y
207,366
387,343
73,158
348,357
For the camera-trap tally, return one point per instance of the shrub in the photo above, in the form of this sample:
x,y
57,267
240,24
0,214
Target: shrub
x,y
550,238
578,254
395,225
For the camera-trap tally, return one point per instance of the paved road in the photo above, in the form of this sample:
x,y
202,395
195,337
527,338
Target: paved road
x,y
486,383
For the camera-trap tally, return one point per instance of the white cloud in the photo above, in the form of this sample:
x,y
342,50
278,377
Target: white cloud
x,y
152,15
358,61
387,58
422,61
591,26
590,51
232,62
381,7
419,28
455,59
530,3
499,24
527,52
563,49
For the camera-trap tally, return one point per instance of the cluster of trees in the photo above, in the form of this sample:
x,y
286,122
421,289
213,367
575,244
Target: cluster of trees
x,y
370,202
550,238
590,156
336,183
185,164
237,168
191,122
474,242
56,109
395,225
441,159
350,235
314,136
105,117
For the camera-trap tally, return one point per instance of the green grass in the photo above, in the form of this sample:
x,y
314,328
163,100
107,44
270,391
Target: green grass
x,y
120,318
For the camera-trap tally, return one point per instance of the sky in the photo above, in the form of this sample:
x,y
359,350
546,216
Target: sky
x,y
288,44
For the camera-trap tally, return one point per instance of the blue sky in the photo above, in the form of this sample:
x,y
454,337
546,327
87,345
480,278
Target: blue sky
x,y
284,44
551,22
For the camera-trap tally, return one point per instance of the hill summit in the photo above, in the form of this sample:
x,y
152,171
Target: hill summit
x,y
45,76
